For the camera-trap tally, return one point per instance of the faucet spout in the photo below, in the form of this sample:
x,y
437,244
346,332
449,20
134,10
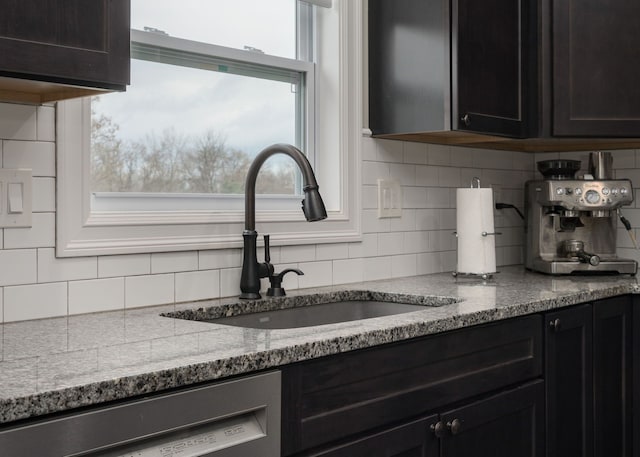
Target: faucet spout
x,y
312,207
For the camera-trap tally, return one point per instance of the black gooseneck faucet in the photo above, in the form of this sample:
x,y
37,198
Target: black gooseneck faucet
x,y
312,207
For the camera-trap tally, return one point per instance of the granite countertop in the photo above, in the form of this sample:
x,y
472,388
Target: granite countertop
x,y
54,365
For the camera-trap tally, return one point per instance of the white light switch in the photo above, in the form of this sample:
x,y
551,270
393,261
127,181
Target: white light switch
x,y
14,192
389,198
15,197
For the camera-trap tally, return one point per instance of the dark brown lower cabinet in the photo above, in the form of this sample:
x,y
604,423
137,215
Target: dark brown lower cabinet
x,y
414,439
569,385
509,424
588,374
342,399
558,384
612,377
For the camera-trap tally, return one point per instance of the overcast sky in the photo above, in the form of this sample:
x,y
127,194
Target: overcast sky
x,y
251,113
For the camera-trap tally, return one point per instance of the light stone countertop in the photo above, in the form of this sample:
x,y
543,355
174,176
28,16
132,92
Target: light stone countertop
x,y
54,365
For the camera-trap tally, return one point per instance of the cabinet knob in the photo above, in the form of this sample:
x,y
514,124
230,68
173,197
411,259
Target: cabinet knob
x,y
437,429
455,426
466,120
555,324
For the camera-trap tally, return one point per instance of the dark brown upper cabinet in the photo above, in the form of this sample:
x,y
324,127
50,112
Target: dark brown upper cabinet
x,y
596,68
452,65
56,49
531,75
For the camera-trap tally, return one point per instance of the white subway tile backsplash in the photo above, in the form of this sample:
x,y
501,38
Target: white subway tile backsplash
x,y
406,222
428,263
348,271
439,155
41,234
448,177
415,242
462,157
294,254
371,223
18,122
38,156
390,243
96,295
223,258
332,251
403,265
414,197
438,197
377,268
51,269
124,265
369,148
35,301
316,274
44,195
405,174
372,171
230,282
426,175
149,290
442,240
18,266
390,151
369,197
427,219
368,247
416,153
46,123
197,285
169,262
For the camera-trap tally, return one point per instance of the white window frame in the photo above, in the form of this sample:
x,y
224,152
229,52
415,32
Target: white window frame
x,y
83,231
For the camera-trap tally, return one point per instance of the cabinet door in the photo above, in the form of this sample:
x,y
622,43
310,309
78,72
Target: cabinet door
x,y
75,42
509,424
494,66
569,382
612,372
409,66
596,66
414,439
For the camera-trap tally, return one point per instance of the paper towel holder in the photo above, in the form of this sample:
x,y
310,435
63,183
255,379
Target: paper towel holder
x,y
475,183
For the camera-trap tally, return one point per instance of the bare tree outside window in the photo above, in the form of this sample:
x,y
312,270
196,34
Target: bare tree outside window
x,y
171,162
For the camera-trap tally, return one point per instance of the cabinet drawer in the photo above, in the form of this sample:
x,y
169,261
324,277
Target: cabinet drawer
x,y
337,396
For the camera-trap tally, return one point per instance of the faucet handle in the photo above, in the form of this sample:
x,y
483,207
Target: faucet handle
x,y
275,280
267,250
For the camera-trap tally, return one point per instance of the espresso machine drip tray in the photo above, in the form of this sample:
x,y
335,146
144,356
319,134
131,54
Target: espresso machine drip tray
x,y
576,267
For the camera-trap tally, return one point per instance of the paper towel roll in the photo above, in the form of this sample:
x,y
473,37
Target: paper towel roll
x,y
474,215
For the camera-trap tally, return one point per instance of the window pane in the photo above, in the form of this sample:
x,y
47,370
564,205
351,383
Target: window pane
x,y
182,129
269,26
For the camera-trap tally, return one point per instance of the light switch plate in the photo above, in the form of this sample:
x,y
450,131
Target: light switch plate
x,y
15,197
389,198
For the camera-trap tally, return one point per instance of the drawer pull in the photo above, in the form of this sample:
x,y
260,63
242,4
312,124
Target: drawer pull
x,y
437,429
455,426
555,324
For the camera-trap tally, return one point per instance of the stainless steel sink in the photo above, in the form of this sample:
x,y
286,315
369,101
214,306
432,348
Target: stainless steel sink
x,y
326,313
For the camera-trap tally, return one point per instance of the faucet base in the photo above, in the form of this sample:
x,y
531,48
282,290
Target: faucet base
x,y
250,296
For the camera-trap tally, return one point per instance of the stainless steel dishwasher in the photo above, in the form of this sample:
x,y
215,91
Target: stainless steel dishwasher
x,y
236,418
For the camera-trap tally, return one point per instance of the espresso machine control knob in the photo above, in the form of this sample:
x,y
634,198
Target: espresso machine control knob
x,y
578,191
592,197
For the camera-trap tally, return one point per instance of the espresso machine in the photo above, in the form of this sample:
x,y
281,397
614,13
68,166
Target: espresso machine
x,y
571,223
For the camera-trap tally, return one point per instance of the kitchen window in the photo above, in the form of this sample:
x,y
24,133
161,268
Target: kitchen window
x,y
133,173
